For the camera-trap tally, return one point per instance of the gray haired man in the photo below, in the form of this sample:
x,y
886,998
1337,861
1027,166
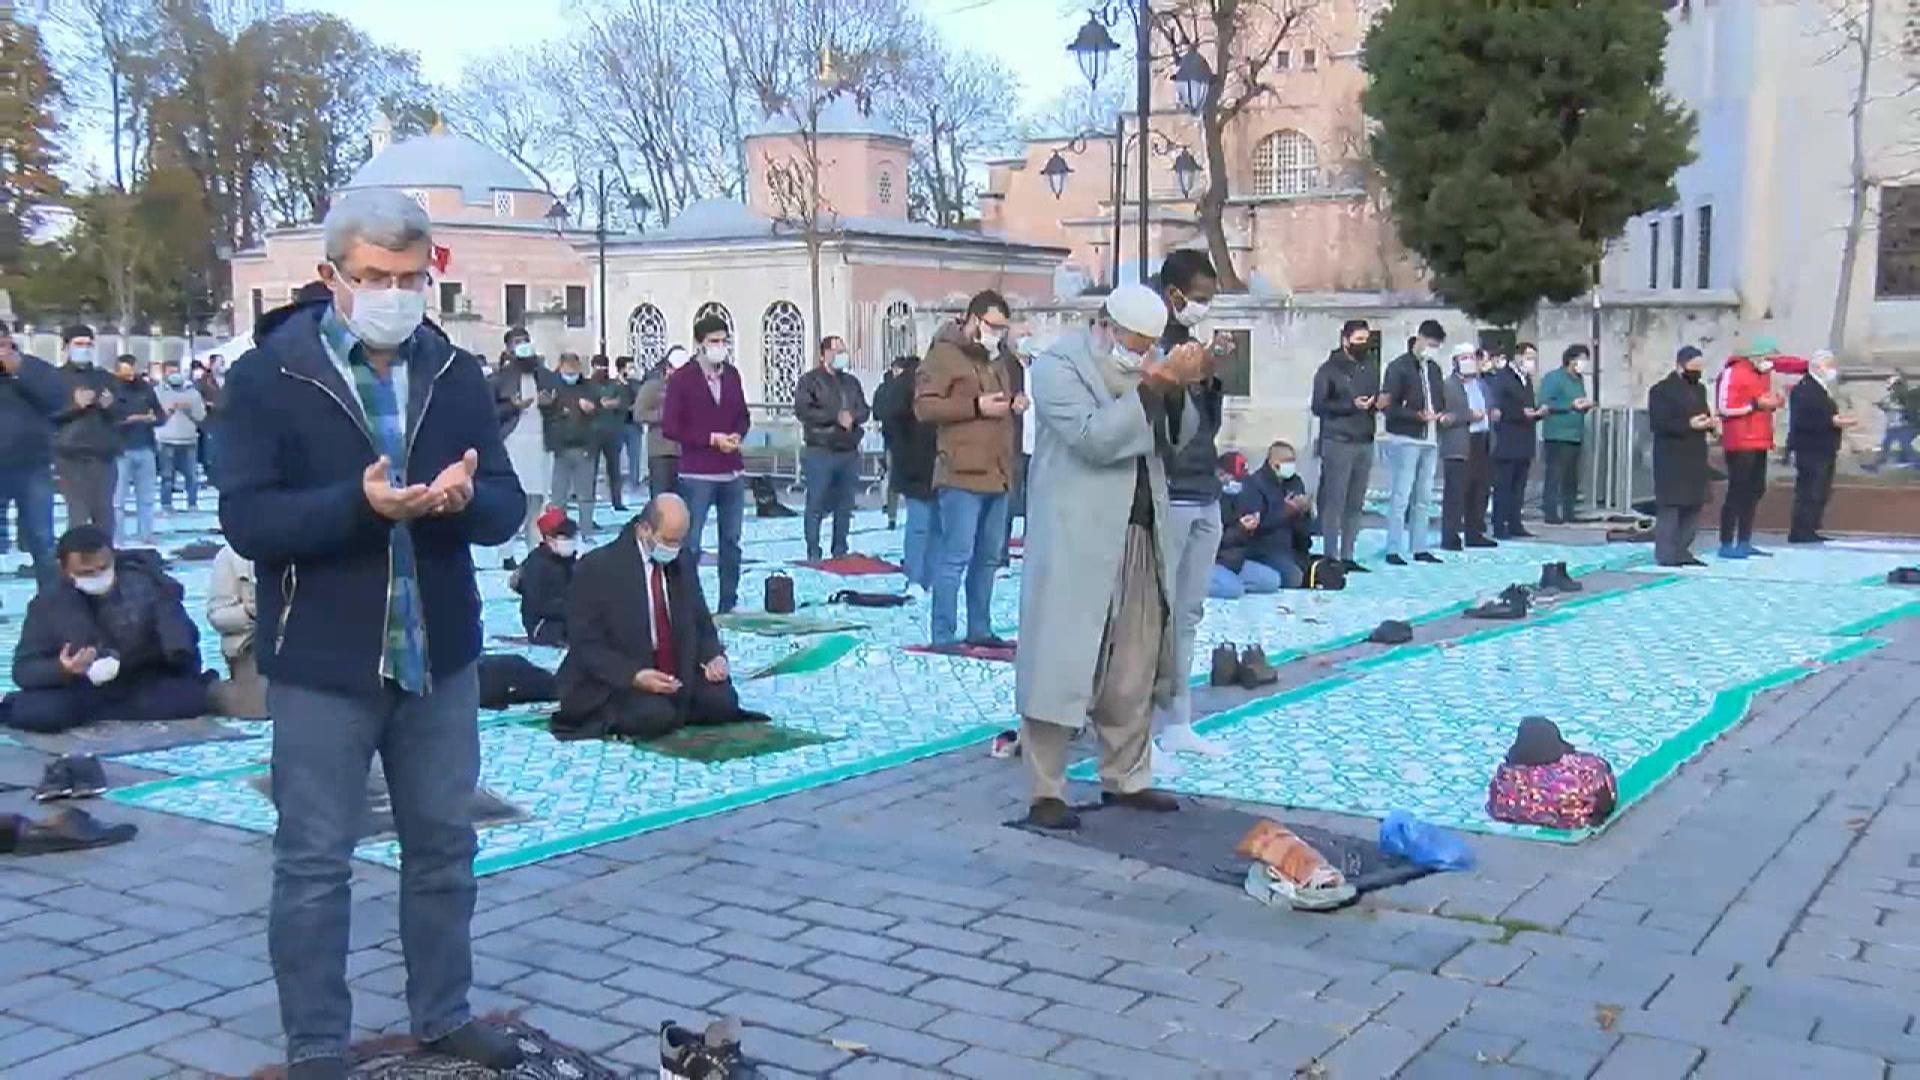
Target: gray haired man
x,y
361,461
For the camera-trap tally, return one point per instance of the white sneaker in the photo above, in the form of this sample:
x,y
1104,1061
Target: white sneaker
x,y
1165,766
1182,739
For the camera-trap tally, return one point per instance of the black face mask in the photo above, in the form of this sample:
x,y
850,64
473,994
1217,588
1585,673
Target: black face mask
x,y
1690,376
1356,349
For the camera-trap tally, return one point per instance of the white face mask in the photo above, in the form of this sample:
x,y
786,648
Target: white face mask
x,y
841,361
564,546
715,355
521,349
1577,368
676,360
95,584
990,338
663,554
1191,315
1231,487
1128,360
1287,470
80,355
569,377
384,318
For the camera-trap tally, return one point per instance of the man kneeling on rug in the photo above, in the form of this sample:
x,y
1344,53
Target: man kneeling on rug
x,y
646,659
109,641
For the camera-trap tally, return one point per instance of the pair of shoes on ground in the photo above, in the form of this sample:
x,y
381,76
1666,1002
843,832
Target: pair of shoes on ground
x,y
1554,578
72,776
1056,815
1247,669
1418,556
482,1044
713,1054
1743,551
1513,602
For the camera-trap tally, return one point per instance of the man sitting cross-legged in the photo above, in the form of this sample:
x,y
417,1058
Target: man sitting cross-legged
x,y
646,659
109,641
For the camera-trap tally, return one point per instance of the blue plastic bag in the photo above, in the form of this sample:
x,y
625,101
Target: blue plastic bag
x,y
1424,844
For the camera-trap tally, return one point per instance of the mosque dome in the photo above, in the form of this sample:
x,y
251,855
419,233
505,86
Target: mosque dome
x,y
713,219
841,115
443,159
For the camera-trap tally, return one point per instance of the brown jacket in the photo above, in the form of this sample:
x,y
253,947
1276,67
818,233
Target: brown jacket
x,y
975,451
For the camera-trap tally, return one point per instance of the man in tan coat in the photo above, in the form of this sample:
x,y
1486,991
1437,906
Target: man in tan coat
x,y
967,389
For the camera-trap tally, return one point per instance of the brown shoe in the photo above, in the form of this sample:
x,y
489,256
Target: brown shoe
x,y
1152,800
1052,814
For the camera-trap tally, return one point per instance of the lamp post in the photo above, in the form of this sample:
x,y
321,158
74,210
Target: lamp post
x,y
1186,171
637,204
1092,47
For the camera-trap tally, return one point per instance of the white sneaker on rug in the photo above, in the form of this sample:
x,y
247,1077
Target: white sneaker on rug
x,y
1182,739
1165,766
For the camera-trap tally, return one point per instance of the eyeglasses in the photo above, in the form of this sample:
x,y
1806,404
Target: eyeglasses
x,y
414,281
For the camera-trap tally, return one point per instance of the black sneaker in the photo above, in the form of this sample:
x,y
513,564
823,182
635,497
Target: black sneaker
x,y
1395,560
710,1055
1426,557
87,776
1354,567
56,782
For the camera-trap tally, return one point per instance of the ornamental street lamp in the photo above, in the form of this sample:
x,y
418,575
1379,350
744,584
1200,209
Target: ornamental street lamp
x,y
1192,78
1056,171
637,203
1092,48
1186,172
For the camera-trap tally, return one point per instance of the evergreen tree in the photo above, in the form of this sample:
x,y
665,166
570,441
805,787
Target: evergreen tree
x,y
28,94
1518,137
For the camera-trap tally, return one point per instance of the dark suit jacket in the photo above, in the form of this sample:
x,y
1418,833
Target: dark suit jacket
x,y
1810,413
610,626
1513,434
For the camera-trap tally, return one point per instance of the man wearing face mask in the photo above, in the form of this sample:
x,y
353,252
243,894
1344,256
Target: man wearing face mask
x,y
1745,402
1187,285
362,463
86,440
1815,425
1465,443
31,394
649,404
1516,415
110,641
646,659
543,580
136,412
1564,396
1415,400
1278,517
612,409
183,411
832,408
964,389
568,418
521,390
1099,554
706,413
1678,415
1345,389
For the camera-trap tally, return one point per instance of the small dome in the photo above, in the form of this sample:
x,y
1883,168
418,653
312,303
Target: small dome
x,y
841,115
714,219
439,160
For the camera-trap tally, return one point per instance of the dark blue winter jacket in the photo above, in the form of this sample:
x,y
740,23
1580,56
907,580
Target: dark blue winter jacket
x,y
293,449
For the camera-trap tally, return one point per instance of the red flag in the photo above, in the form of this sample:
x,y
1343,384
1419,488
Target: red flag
x,y
441,257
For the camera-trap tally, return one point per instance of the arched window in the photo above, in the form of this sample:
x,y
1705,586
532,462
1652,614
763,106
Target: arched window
x,y
886,186
783,336
1285,163
714,307
896,336
646,336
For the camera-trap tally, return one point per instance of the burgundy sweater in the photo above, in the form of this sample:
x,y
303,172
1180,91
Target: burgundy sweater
x,y
691,418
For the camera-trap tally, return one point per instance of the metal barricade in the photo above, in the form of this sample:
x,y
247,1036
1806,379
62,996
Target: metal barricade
x,y
1619,461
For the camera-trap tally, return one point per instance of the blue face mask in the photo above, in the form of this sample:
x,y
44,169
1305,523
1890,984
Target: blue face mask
x,y
1232,487
663,554
569,377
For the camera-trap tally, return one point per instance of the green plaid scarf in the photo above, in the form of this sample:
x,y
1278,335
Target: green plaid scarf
x,y
404,660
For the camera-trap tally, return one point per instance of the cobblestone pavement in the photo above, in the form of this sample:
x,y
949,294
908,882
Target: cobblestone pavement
x,y
1758,916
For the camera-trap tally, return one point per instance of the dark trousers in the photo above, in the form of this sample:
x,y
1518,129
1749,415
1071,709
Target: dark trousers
x,y
549,632
1463,499
29,490
832,478
1674,528
608,447
1562,481
631,714
1812,487
323,747
1509,492
135,697
86,483
1016,502
663,475
1746,483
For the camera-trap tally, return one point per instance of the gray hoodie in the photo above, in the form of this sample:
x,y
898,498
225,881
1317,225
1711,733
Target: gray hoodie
x,y
181,428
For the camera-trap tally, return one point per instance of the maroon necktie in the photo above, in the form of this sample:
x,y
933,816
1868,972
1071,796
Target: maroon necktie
x,y
664,659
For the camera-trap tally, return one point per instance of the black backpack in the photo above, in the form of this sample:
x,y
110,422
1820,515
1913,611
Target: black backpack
x,y
779,594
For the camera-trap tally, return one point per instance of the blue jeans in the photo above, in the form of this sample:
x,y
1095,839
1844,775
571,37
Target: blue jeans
x,y
29,489
832,478
1412,495
922,541
210,451
178,459
323,746
730,498
973,529
140,470
1253,579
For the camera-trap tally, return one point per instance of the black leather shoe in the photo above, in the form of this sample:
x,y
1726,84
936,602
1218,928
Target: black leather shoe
x,y
1052,814
1426,557
1451,545
1354,567
1152,800
1482,542
1395,560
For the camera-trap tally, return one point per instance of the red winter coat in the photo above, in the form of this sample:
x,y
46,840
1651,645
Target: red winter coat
x,y
1742,386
